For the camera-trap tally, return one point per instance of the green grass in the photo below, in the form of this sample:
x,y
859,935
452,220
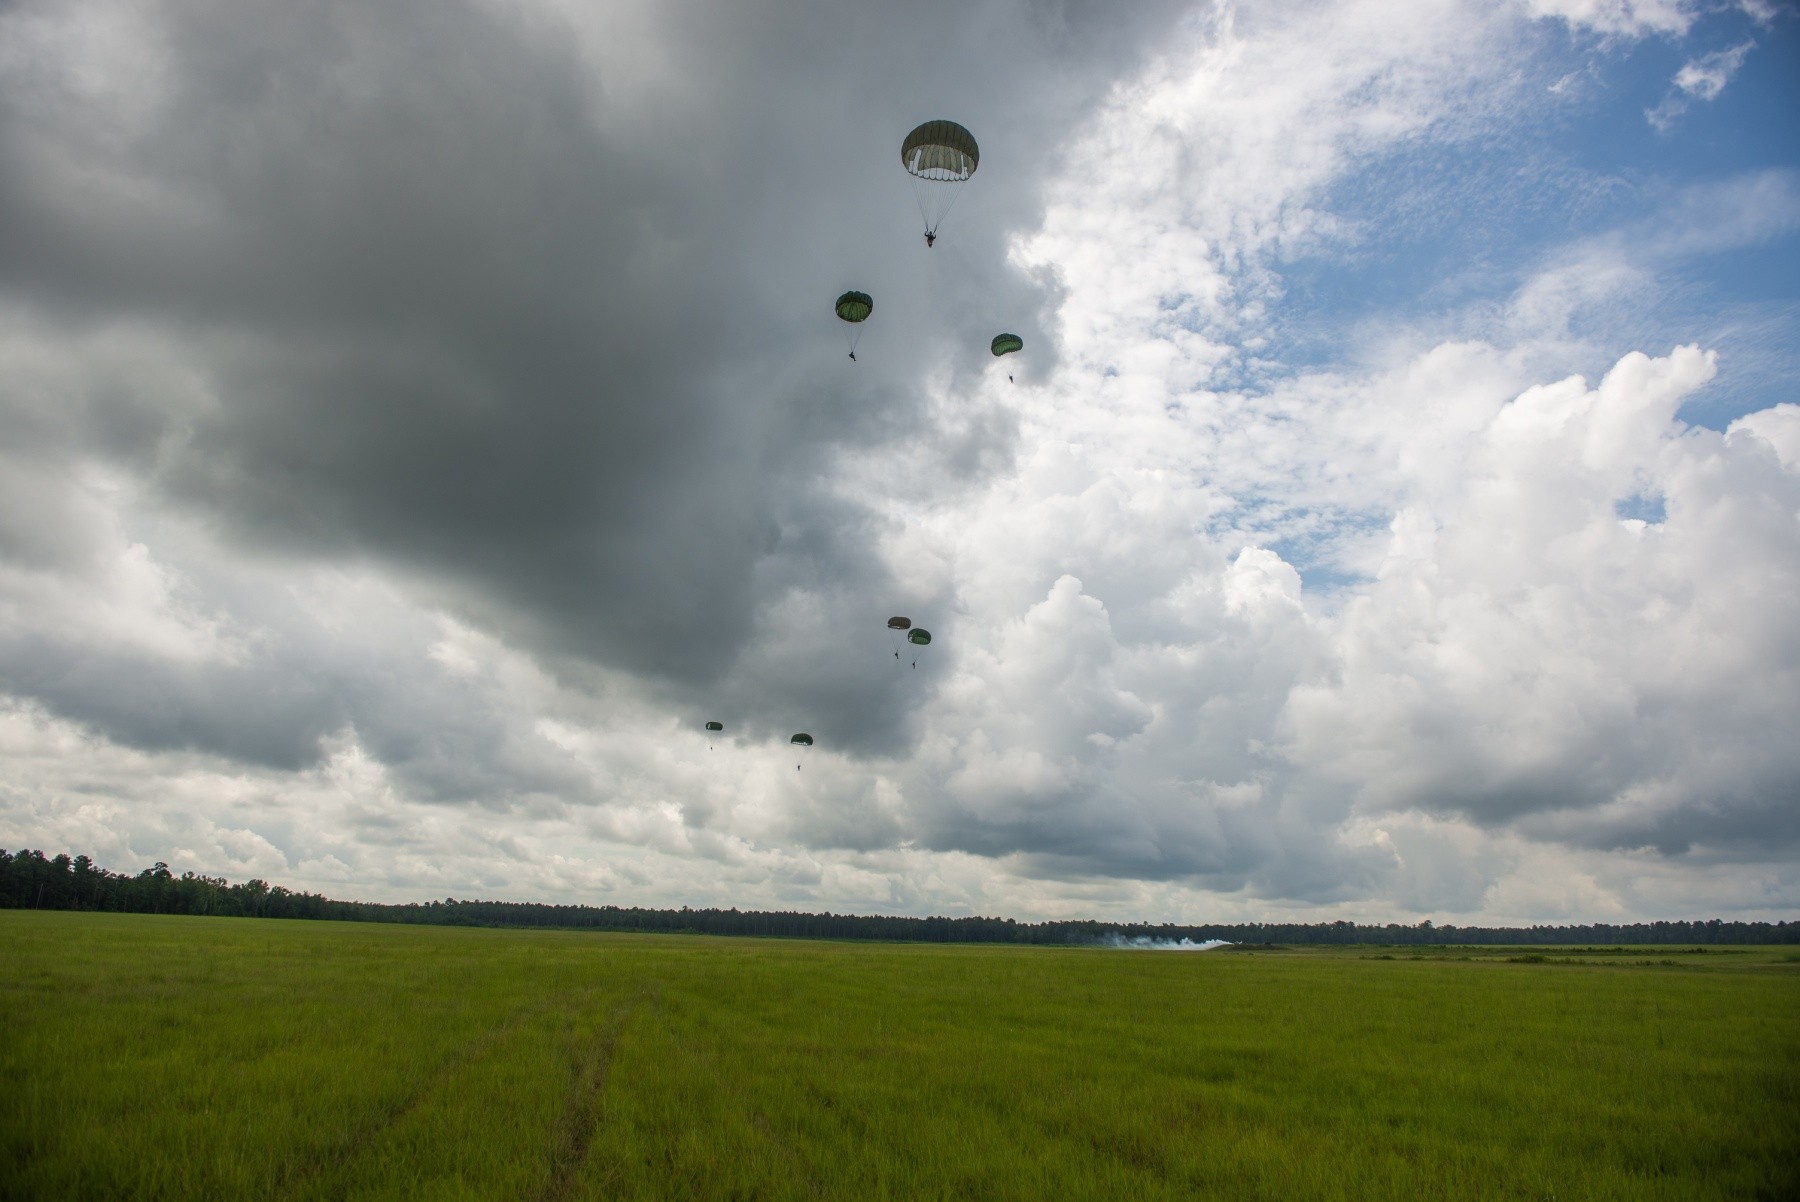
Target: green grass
x,y
154,1057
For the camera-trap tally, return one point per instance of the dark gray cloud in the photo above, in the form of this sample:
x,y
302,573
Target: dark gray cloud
x,y
536,317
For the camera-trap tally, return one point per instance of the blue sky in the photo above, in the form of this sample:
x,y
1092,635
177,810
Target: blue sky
x,y
1460,224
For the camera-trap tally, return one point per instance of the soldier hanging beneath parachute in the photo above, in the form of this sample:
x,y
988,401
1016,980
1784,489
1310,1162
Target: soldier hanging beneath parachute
x,y
853,308
1006,344
940,156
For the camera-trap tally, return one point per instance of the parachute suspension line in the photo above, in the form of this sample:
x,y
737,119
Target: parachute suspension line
x,y
924,217
955,195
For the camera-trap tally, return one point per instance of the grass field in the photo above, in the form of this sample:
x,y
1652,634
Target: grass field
x,y
149,1057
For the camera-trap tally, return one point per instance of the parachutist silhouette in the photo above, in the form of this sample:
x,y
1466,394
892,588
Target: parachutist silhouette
x,y
853,356
1009,379
930,239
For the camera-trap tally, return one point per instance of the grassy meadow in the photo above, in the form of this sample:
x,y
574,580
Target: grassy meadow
x,y
150,1057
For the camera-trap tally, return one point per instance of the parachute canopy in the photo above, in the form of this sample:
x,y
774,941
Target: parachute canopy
x,y
801,740
715,726
940,156
1006,344
855,306
922,637
899,623
941,151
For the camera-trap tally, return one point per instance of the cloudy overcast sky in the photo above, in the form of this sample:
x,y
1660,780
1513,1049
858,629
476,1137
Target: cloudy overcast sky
x,y
417,419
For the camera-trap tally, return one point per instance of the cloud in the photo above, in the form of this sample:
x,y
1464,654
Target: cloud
x,y
1134,471
1621,18
1702,78
1529,658
1593,283
1705,77
475,293
418,421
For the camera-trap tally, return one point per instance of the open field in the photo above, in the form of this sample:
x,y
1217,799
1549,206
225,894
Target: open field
x,y
162,1057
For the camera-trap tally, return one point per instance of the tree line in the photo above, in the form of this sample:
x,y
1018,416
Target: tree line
x,y
29,880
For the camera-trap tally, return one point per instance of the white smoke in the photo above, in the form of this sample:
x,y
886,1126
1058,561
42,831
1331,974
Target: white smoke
x,y
1147,944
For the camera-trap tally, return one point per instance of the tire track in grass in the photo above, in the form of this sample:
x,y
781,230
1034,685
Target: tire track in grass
x,y
366,1134
580,1120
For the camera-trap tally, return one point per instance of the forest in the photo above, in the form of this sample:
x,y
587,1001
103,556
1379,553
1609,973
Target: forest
x,y
30,880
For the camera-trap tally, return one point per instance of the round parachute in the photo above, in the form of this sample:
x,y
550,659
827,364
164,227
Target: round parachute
x,y
940,151
899,626
854,306
715,726
940,156
1006,344
801,740
920,637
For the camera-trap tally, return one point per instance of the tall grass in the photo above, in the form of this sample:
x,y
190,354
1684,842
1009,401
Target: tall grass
x,y
149,1057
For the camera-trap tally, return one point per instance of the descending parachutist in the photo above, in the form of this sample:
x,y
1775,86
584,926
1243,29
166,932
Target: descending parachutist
x,y
940,156
853,308
1009,379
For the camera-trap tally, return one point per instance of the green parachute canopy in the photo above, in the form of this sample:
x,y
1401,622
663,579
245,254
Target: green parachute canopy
x,y
940,151
855,306
1006,344
899,623
922,637
801,740
715,726
940,156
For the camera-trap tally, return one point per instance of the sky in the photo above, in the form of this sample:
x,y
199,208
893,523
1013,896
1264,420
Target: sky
x,y
418,419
